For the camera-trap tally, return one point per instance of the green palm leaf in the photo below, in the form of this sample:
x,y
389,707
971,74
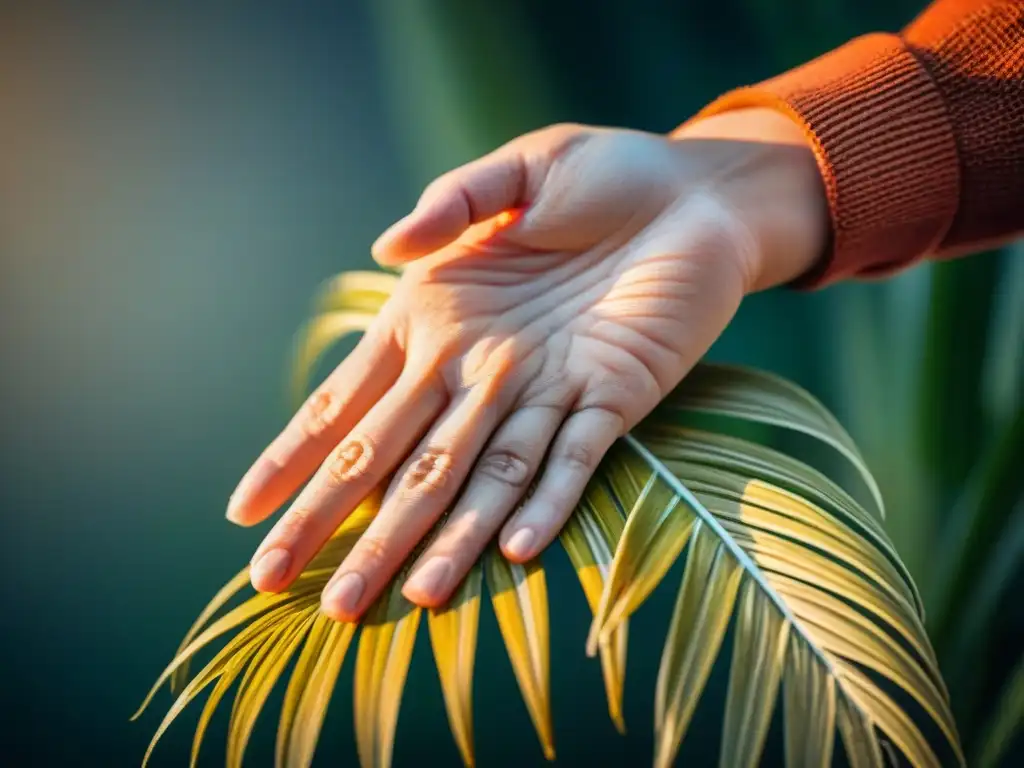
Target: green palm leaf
x,y
703,607
758,660
819,602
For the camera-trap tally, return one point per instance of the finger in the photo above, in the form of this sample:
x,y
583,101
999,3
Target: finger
x,y
581,443
421,493
362,461
468,195
498,482
324,419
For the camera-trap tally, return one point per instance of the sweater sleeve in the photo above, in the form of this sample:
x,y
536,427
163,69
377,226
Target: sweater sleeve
x,y
919,136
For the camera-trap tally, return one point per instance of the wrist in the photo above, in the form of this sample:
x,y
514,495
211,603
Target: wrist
x,y
760,165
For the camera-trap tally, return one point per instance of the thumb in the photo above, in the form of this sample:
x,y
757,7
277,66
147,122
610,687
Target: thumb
x,y
457,200
510,178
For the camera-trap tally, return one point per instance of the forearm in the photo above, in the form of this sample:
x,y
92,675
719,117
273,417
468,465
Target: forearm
x,y
919,137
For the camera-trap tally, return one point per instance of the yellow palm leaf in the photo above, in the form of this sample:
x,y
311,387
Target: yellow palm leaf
x,y
821,605
654,535
453,633
590,538
259,679
520,599
298,684
355,292
382,662
295,748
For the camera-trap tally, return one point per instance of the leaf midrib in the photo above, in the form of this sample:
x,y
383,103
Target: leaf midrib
x,y
744,560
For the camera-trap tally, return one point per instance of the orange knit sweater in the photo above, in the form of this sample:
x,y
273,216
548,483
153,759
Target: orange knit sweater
x,y
919,136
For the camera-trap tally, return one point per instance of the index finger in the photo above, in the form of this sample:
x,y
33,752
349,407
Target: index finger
x,y
324,419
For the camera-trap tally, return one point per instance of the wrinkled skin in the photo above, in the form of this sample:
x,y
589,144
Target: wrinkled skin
x,y
553,292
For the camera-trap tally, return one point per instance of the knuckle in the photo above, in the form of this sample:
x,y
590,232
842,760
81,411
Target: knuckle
x,y
487,371
370,552
319,413
350,461
579,457
437,184
432,471
567,137
563,130
293,526
616,403
550,390
507,464
442,186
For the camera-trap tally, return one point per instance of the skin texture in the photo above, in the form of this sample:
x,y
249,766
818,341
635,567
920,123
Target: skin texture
x,y
553,292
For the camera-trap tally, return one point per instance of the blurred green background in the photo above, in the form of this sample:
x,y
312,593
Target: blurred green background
x,y
175,181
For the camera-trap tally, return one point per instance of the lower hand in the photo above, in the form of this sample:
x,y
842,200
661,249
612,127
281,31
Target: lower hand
x,y
554,291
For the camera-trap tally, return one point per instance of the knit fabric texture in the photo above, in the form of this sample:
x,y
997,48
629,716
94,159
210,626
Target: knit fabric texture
x,y
919,136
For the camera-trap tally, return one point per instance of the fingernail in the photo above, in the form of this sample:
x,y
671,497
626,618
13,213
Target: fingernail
x,y
251,483
520,544
270,569
344,594
431,578
388,236
234,507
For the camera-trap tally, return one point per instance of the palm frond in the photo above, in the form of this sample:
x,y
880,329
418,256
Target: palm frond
x,y
758,660
590,538
385,650
519,596
819,602
453,633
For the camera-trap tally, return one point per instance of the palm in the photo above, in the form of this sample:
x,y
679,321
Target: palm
x,y
548,326
617,326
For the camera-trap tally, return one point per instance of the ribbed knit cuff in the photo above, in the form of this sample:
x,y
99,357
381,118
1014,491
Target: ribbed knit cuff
x,y
885,147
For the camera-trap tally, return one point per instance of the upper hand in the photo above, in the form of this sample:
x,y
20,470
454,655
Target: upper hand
x,y
554,291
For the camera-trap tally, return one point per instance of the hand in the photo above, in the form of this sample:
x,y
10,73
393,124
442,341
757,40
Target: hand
x,y
554,291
